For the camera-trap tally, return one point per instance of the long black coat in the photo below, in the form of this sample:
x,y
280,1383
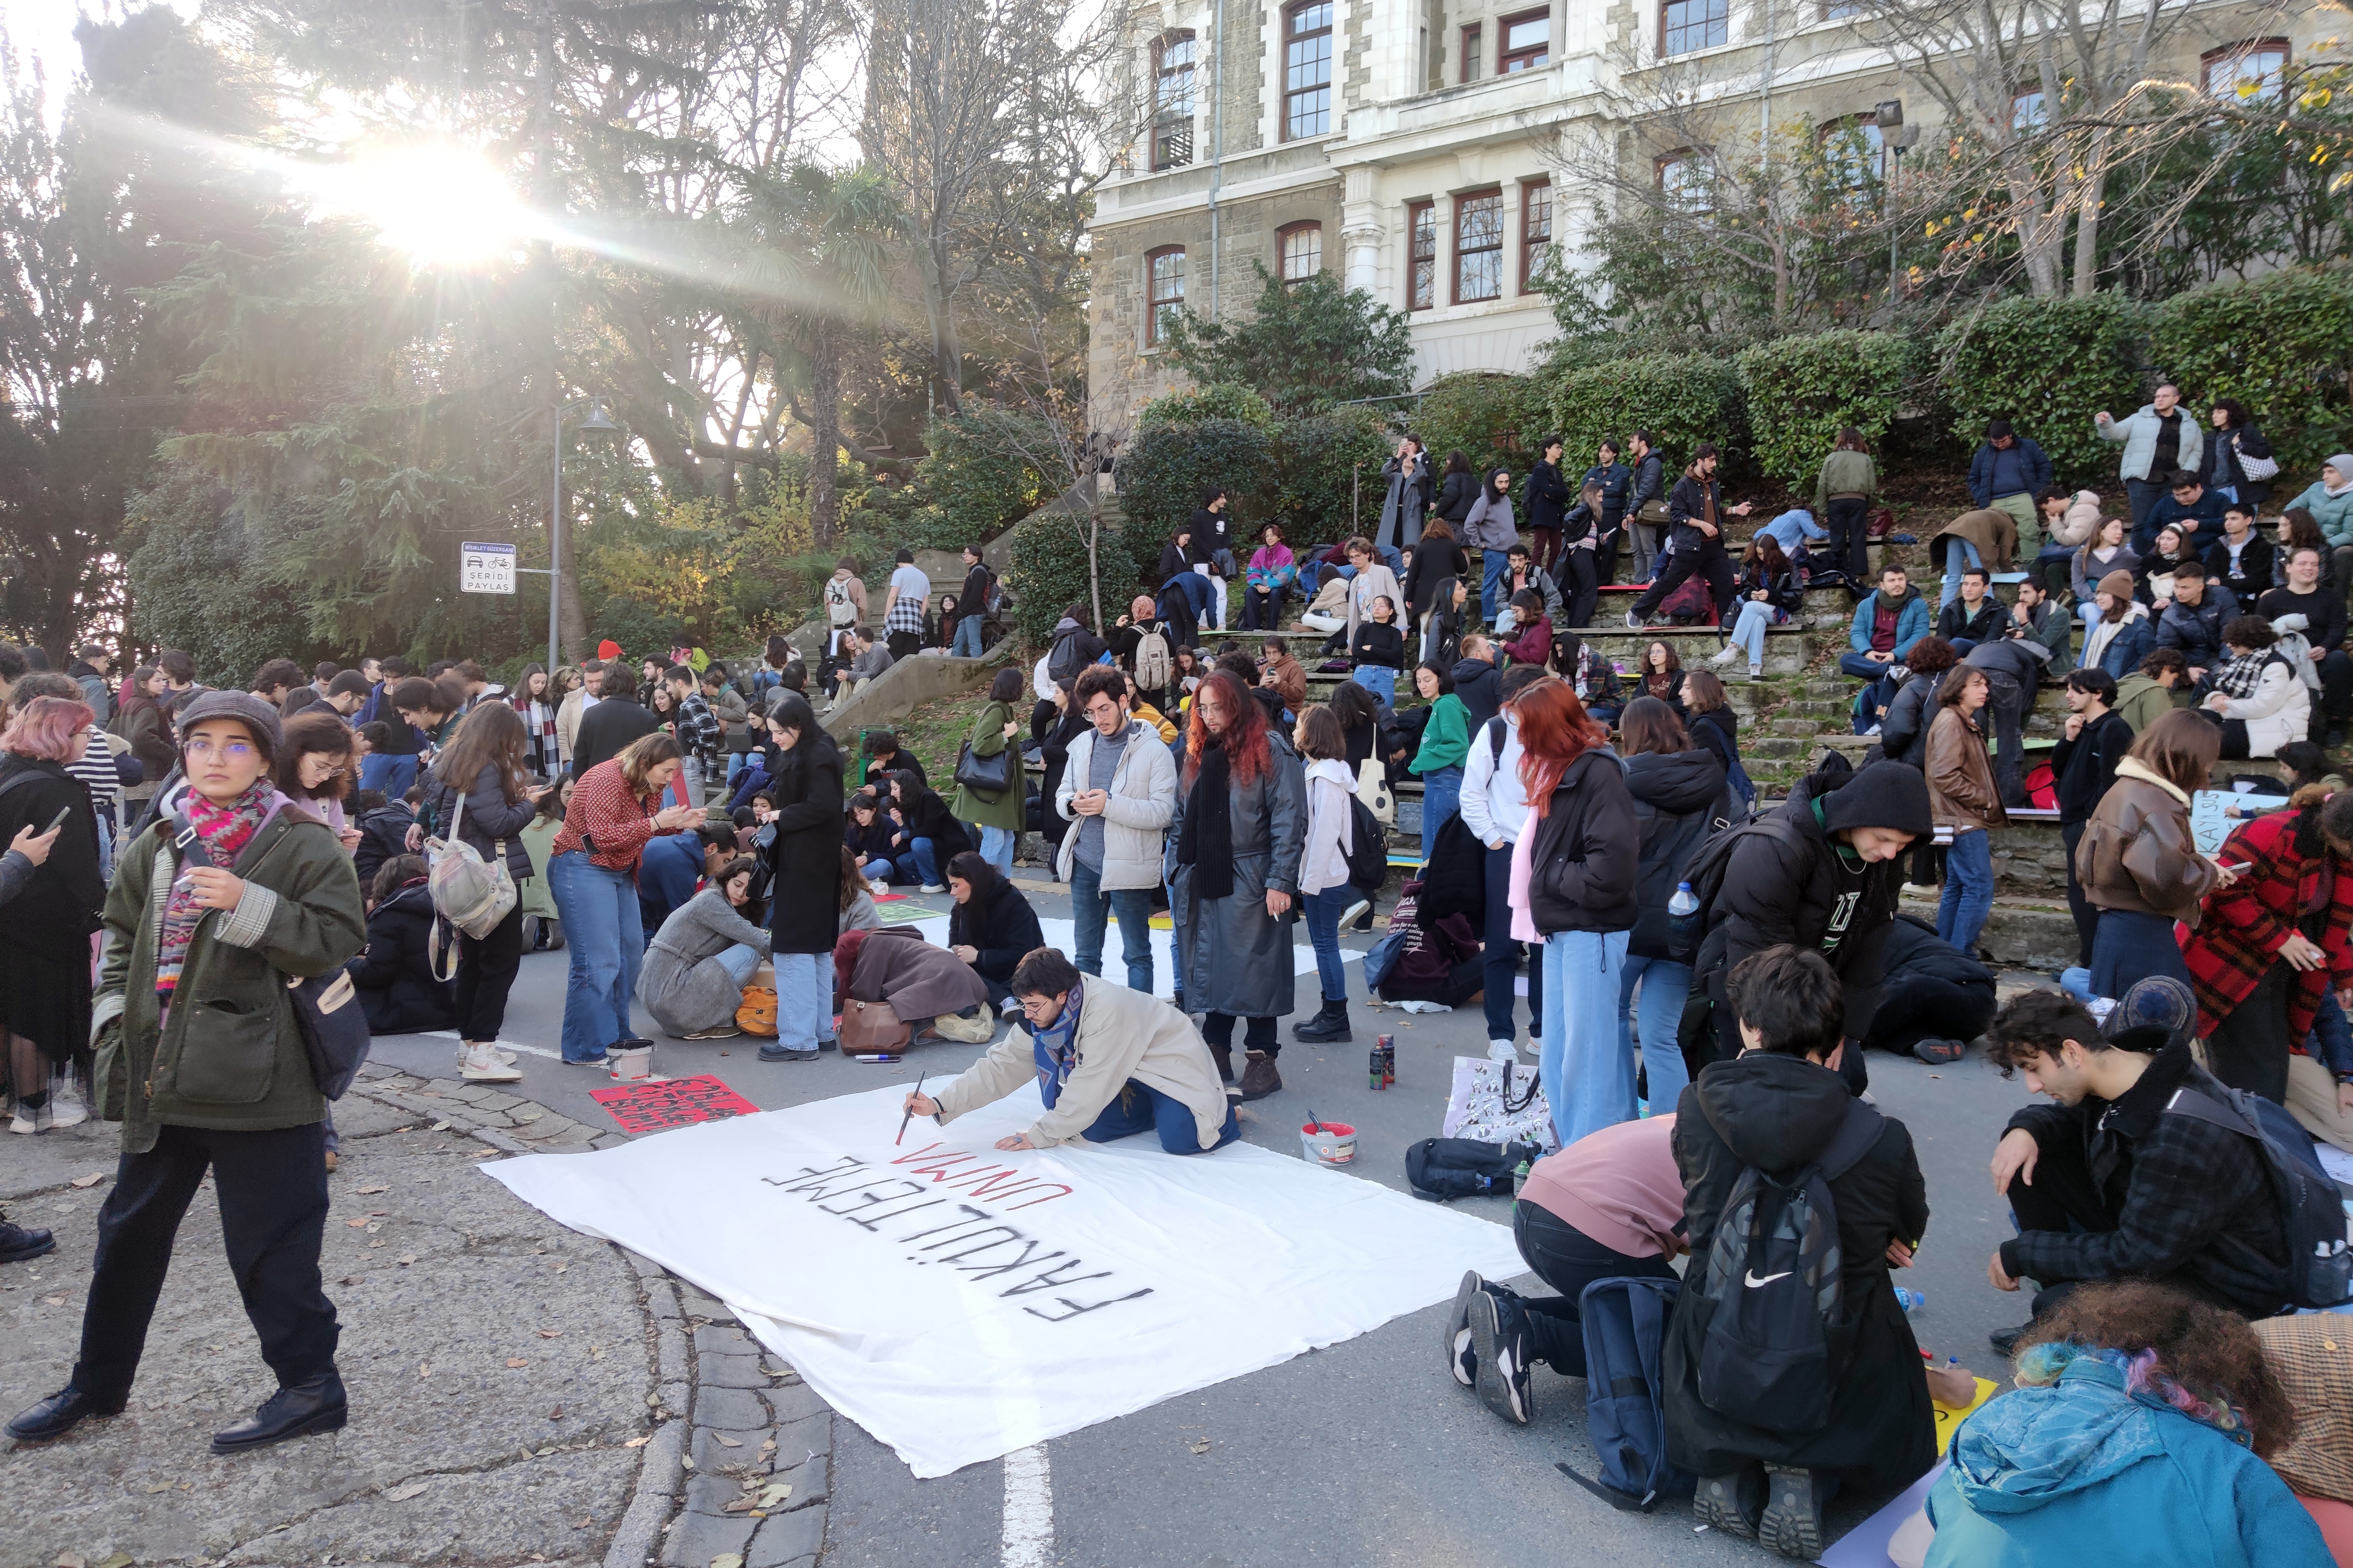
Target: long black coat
x,y
928,817
395,975
998,923
805,896
45,940
607,728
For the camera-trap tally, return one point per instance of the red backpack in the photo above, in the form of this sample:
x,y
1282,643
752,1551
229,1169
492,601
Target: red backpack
x,y
2042,787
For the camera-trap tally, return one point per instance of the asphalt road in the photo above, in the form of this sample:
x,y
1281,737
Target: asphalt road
x,y
1364,1453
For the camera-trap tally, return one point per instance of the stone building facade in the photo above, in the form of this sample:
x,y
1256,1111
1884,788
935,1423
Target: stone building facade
x,y
1413,146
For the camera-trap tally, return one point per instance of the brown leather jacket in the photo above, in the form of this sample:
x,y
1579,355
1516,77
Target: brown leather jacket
x,y
1961,791
2136,853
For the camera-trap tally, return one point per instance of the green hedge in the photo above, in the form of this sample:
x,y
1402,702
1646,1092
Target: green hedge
x,y
2281,344
1681,400
1218,400
1327,467
1804,390
2047,366
1162,475
985,470
1484,414
1048,571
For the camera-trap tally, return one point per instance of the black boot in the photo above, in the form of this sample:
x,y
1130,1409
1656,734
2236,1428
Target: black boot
x,y
19,1242
1224,1057
314,1406
1330,1024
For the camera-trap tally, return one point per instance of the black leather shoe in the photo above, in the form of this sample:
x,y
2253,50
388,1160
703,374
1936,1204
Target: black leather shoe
x,y
19,1242
58,1413
313,1406
2005,1340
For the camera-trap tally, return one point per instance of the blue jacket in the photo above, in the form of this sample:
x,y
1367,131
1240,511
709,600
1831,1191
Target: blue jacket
x,y
2127,647
1794,530
2206,512
2197,630
2082,1471
668,871
2023,469
1911,624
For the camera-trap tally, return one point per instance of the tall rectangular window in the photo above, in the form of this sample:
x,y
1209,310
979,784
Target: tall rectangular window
x,y
1163,277
1172,101
1681,185
1307,69
1523,43
2252,72
1475,49
1299,247
1478,247
1688,24
1536,229
1422,255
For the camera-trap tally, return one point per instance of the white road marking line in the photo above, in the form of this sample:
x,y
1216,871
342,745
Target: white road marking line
x,y
502,1045
1029,1508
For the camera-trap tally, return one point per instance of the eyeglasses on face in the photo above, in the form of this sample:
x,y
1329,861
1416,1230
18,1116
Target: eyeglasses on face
x,y
232,749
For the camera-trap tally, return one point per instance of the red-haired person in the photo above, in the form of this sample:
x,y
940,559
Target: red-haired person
x,y
45,941
1573,874
1233,876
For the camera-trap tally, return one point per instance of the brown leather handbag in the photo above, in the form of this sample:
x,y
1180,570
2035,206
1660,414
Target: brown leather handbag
x,y
871,1029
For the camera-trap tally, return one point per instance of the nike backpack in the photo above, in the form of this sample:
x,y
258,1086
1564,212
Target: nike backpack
x,y
1767,1357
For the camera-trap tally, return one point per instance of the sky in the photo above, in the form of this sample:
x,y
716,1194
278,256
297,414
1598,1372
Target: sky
x,y
43,30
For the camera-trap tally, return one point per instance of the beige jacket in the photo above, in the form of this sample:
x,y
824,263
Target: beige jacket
x,y
567,722
2074,527
1374,582
1123,1035
2137,852
1961,791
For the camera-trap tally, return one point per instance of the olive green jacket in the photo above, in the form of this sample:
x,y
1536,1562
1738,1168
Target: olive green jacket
x,y
1010,810
231,1056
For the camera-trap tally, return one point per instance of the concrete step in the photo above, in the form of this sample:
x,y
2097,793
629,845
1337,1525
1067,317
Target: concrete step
x,y
2022,933
1787,651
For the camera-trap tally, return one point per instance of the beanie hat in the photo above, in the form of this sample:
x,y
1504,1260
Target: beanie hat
x,y
2156,1011
609,650
1884,794
247,710
2117,585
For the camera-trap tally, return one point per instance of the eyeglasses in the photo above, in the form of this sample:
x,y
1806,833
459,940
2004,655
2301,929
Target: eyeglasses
x,y
233,750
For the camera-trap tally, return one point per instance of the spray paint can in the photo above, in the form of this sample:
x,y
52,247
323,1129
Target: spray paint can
x,y
1383,1062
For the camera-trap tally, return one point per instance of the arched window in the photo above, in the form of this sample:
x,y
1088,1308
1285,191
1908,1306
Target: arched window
x,y
1307,69
2252,72
1164,291
1173,59
1299,249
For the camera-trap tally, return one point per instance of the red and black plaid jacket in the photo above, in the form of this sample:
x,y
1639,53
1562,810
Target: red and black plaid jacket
x,y
2244,926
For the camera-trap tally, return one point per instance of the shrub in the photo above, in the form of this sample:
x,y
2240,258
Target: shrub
x,y
1485,416
1319,462
1681,400
1802,391
1307,346
1048,571
986,470
2047,366
1218,400
1163,473
2278,344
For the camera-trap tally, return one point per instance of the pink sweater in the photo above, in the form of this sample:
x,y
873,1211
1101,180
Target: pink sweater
x,y
1619,1186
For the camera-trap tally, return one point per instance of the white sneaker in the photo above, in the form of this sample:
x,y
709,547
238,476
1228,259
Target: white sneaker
x,y
934,887
481,1065
1729,652
1535,1047
1355,912
1634,623
23,1123
876,886
66,1109
1502,1051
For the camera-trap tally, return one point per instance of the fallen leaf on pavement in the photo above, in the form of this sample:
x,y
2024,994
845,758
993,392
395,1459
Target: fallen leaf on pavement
x,y
556,1413
551,1333
89,1180
355,1223
69,1559
379,1187
407,1259
517,1361
350,1279
402,1493
728,1560
424,1368
1201,1447
638,1442
440,1127
726,1442
775,1493
54,1300
120,1560
156,1487
688,1460
562,1264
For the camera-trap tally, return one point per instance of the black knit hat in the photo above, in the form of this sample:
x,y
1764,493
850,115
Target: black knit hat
x,y
1884,794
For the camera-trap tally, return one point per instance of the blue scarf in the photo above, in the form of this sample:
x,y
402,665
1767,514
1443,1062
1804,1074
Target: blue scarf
x,y
1056,1048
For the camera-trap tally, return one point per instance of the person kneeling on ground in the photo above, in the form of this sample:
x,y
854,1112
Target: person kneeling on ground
x,y
992,924
1109,1063
2106,1184
2137,1435
394,974
926,987
705,953
1775,1110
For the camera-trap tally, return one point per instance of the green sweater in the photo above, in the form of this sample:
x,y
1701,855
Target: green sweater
x,y
231,1056
1844,474
1446,738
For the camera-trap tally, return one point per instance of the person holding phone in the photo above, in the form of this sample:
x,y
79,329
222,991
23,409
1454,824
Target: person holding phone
x,y
45,942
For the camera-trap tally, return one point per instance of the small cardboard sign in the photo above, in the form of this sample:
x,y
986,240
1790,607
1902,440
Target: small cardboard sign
x,y
657,1107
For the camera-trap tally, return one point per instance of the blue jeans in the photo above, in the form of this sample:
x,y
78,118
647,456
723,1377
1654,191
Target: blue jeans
x,y
1378,679
1960,553
1587,1081
879,865
1968,898
740,962
804,999
1140,1108
1748,631
1323,910
1500,956
392,774
1664,986
1493,566
1091,909
916,861
996,847
603,934
1442,797
968,639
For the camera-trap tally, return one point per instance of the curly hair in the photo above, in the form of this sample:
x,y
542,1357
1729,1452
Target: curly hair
x,y
2202,1360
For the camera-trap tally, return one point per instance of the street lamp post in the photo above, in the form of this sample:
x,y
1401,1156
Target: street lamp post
x,y
596,421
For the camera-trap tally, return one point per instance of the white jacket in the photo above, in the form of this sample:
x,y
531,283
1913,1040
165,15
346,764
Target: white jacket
x,y
1331,826
1136,819
2280,711
2075,525
1493,802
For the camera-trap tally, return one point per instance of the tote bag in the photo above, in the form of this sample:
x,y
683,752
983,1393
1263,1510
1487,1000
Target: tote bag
x,y
1498,1103
469,895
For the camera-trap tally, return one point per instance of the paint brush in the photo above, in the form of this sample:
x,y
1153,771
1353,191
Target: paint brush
x,y
911,1113
1315,1123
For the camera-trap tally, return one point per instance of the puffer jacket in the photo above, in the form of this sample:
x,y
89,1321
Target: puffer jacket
x,y
488,819
2074,528
2137,852
1143,803
2136,433
395,976
1679,798
1584,863
2279,710
1962,794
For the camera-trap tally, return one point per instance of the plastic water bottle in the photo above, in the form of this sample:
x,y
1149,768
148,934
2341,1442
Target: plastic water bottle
x,y
1911,1300
1683,920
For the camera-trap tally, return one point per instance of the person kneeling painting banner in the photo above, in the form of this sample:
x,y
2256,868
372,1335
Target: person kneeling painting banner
x,y
1108,1062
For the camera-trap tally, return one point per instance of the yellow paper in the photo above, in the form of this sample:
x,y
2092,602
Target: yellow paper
x,y
1949,1416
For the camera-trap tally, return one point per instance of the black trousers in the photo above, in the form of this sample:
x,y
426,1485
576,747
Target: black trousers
x,y
2064,1198
2247,1048
1708,560
1567,1259
2086,913
1848,521
1913,1008
1257,1034
903,645
273,1204
487,966
1581,585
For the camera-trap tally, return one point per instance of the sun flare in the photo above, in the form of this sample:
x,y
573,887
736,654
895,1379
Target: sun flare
x,y
441,206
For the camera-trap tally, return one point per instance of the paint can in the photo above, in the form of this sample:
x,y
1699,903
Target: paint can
x,y
1328,1143
633,1062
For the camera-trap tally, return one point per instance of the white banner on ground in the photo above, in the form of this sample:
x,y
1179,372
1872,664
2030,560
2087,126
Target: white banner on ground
x,y
960,1303
1062,935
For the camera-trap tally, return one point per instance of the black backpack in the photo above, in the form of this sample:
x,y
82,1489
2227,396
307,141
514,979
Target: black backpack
x,y
1443,1168
1369,848
1772,1348
2319,1265
1063,662
1706,874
